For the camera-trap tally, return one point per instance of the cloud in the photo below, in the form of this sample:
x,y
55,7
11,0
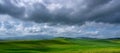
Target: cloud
x,y
17,28
63,11
7,7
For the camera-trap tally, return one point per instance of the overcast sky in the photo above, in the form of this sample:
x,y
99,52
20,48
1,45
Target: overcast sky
x,y
103,13
63,11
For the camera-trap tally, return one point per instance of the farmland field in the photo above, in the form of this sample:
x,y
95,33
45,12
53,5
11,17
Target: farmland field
x,y
61,45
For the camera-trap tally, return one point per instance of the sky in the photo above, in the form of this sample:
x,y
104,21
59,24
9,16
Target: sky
x,y
60,18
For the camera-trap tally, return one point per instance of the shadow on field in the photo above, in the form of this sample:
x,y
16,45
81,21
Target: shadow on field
x,y
40,45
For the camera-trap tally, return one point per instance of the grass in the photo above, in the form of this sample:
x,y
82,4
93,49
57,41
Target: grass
x,y
61,45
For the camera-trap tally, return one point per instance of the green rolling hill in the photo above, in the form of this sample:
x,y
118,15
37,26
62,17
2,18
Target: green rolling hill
x,y
61,45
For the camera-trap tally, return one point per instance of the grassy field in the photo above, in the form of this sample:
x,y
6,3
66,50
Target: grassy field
x,y
61,45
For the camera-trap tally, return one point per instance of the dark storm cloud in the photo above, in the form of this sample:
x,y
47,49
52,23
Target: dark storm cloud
x,y
109,12
63,11
7,7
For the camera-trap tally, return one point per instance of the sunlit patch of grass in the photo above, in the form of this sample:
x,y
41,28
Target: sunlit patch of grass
x,y
103,50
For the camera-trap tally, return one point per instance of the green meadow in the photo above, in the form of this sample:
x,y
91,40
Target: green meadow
x,y
61,45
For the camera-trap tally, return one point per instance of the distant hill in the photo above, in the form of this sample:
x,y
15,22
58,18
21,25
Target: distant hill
x,y
29,37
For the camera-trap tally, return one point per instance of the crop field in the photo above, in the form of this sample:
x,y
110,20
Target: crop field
x,y
61,45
